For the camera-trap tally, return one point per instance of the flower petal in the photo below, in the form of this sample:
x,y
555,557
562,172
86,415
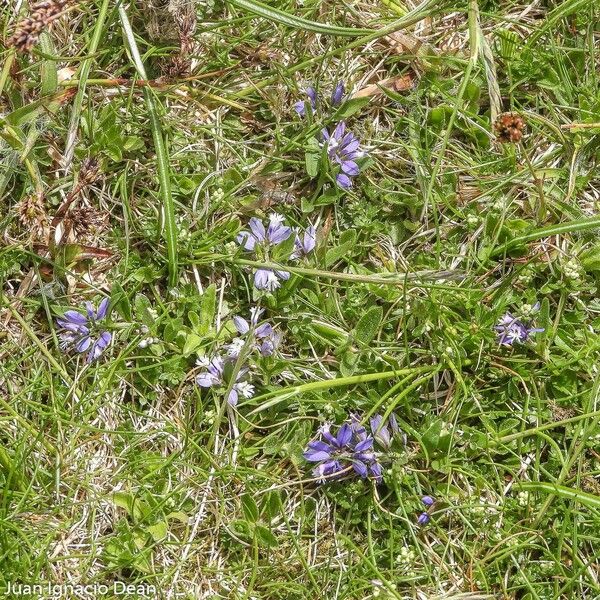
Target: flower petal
x,y
72,326
246,240
325,431
338,132
381,431
102,309
338,94
360,467
261,279
350,168
376,470
278,233
351,146
263,330
310,239
320,445
344,435
257,228
300,107
316,455
83,344
104,339
75,317
206,380
89,308
344,181
241,324
327,468
232,398
364,445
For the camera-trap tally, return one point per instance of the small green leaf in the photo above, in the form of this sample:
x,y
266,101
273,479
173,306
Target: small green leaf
x,y
123,500
369,324
144,311
207,309
192,343
249,508
158,531
265,536
134,507
350,108
590,258
348,241
120,301
271,505
312,156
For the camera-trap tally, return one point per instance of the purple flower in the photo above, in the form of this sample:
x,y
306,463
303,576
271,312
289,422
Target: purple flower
x,y
217,374
350,447
428,501
300,106
306,243
83,331
337,97
260,240
423,519
381,430
338,94
343,149
266,339
510,329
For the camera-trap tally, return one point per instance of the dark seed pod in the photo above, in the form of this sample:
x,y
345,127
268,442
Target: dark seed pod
x,y
509,128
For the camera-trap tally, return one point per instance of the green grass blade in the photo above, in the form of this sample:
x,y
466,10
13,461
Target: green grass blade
x,y
284,18
557,229
162,157
562,491
560,12
279,396
83,77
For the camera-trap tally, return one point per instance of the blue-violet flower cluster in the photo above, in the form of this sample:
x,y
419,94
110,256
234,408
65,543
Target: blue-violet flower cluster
x,y
262,241
510,329
218,374
84,331
424,517
343,150
219,371
264,337
313,99
351,449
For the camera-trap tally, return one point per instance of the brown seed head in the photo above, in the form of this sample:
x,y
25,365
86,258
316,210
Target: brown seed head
x,y
509,128
87,222
27,31
89,171
32,214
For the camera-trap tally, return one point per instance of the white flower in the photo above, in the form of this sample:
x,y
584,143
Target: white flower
x,y
235,347
275,219
272,281
203,361
245,389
